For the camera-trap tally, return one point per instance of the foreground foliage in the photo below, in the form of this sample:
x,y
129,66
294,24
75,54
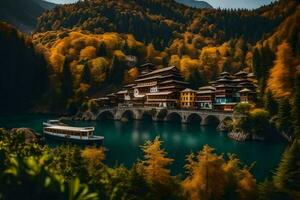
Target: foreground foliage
x,y
34,171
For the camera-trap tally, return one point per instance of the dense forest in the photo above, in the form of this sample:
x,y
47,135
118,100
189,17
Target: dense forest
x,y
24,73
30,171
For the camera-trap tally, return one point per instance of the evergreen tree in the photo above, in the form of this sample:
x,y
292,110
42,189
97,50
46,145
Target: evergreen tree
x,y
270,104
284,122
117,69
86,74
67,80
101,51
296,107
287,176
256,63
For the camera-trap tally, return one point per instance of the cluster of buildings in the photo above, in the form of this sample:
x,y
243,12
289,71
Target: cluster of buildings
x,y
165,88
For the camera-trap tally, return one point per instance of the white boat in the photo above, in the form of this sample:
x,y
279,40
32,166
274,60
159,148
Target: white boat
x,y
81,135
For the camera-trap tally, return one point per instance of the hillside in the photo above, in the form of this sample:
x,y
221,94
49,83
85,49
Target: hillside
x,y
23,76
200,42
23,13
162,21
45,4
195,3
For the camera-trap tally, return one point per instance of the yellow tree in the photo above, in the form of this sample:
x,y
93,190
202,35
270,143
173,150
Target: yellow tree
x,y
206,178
281,78
93,156
154,167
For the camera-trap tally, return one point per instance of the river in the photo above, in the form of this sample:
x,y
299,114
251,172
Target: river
x,y
123,141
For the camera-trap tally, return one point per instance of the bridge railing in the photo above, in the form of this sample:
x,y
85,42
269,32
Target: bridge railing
x,y
125,107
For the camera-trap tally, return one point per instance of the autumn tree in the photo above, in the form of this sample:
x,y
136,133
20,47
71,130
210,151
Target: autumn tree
x,y
156,162
131,75
210,176
282,75
206,177
155,170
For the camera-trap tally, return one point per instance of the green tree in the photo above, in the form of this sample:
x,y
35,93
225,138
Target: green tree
x,y
66,80
259,122
86,74
101,50
284,121
257,63
296,107
270,103
287,176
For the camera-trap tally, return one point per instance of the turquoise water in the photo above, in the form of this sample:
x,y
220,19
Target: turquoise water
x,y
123,141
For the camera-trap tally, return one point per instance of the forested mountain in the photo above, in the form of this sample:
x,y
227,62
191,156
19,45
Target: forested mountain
x,y
160,21
23,77
23,13
89,43
195,3
200,42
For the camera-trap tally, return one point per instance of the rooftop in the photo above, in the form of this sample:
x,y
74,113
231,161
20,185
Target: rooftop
x,y
159,93
207,88
71,128
160,70
245,90
122,92
205,92
173,81
241,73
225,73
148,78
188,90
129,85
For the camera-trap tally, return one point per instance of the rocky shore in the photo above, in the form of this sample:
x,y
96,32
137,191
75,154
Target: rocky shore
x,y
30,136
239,136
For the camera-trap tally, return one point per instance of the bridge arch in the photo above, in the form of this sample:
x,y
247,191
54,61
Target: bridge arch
x,y
161,115
227,119
174,117
194,118
146,116
211,120
128,114
105,115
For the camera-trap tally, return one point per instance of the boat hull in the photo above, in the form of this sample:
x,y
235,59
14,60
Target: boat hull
x,y
92,141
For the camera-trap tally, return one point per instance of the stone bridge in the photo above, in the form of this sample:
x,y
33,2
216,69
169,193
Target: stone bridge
x,y
159,114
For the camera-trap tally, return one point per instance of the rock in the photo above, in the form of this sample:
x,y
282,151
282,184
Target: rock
x,y
239,136
30,135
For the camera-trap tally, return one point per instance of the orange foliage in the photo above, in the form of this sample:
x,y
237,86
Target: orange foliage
x,y
88,52
93,155
280,82
207,177
131,75
209,173
154,167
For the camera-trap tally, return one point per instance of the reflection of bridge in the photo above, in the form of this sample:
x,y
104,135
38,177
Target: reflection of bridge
x,y
159,114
